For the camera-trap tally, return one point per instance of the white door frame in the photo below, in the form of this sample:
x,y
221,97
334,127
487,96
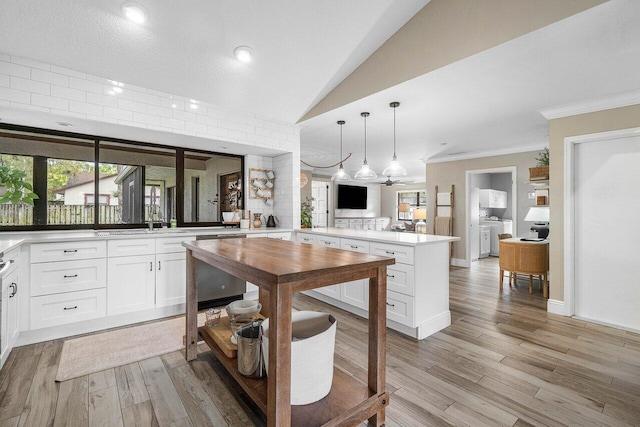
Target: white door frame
x,y
514,203
569,209
330,195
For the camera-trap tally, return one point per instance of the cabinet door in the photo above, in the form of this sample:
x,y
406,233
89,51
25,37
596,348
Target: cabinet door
x,y
171,281
130,284
484,197
12,308
355,293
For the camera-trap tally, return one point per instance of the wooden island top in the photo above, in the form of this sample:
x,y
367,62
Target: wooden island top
x,y
280,268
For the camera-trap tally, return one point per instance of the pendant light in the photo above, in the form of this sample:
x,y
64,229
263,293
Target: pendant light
x,y
394,168
365,171
341,175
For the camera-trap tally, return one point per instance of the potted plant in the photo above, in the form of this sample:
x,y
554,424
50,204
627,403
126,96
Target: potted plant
x,y
14,188
305,213
540,172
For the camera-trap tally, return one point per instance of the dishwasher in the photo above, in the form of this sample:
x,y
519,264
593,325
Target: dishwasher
x,y
215,287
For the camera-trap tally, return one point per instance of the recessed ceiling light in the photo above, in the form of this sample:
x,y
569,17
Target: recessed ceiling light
x,y
134,12
64,124
243,53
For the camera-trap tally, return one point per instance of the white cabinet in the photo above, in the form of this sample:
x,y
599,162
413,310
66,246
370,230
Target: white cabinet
x,y
485,241
493,198
281,236
68,281
341,223
356,292
131,284
306,238
9,329
171,276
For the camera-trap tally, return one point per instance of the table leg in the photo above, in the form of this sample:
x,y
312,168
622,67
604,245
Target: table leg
x,y
545,289
502,278
530,283
192,307
378,338
279,369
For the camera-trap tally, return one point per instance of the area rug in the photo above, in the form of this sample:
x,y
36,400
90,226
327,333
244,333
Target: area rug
x,y
97,352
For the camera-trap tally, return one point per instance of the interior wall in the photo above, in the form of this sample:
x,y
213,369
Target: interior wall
x,y
305,192
447,173
373,202
559,129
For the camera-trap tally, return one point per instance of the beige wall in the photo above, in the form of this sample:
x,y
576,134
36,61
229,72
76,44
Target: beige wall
x,y
305,192
453,173
441,33
559,129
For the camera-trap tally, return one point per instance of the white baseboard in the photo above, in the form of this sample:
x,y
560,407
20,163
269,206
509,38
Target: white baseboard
x,y
459,262
556,307
433,325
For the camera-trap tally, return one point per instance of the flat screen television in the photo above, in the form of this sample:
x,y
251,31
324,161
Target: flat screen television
x,y
352,197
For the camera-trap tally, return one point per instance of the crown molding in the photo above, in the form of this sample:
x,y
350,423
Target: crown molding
x,y
617,100
480,154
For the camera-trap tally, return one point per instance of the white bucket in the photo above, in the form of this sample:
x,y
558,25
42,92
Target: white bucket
x,y
312,347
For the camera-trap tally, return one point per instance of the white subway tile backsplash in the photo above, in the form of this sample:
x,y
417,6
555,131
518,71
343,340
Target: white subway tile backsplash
x,y
29,107
85,108
146,98
5,57
68,72
5,103
169,103
172,123
117,113
5,80
236,134
68,93
15,70
13,95
85,85
195,127
105,100
184,116
102,118
159,111
29,85
255,139
68,113
138,107
49,101
49,77
146,119
30,63
206,120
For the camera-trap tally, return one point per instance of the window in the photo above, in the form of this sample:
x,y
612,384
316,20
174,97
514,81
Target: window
x,y
91,182
407,201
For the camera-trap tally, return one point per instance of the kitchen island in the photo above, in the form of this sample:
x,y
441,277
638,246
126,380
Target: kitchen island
x,y
417,285
281,268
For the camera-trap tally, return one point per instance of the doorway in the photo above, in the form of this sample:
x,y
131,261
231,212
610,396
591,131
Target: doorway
x,y
602,197
320,194
473,212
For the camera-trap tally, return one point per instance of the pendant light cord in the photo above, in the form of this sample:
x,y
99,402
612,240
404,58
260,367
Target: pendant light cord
x,y
394,132
365,139
341,146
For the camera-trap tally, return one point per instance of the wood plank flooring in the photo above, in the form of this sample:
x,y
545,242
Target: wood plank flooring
x,y
504,361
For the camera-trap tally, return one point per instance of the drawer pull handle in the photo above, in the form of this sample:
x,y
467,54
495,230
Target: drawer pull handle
x,y
159,265
354,247
391,275
327,243
70,251
391,305
150,265
69,276
15,289
71,308
390,252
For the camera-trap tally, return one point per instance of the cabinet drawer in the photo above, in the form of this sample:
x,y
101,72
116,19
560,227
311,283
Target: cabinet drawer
x,y
330,242
400,308
67,251
171,244
403,254
306,238
70,307
400,279
13,256
354,245
131,247
67,276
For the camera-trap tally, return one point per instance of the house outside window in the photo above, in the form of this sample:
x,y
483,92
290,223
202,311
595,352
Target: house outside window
x,y
103,199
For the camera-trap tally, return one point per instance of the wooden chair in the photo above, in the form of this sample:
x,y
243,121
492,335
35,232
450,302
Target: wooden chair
x,y
513,275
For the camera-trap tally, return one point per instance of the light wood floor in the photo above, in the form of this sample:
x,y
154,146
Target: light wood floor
x,y
504,361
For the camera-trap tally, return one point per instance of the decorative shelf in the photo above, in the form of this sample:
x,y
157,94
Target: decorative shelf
x,y
542,182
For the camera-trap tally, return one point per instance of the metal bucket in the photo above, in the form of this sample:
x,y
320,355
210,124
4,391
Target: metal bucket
x,y
249,350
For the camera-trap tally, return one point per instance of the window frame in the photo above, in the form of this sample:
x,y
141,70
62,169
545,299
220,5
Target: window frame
x,y
418,195
40,180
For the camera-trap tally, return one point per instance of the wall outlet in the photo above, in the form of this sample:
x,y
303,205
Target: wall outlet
x,y
532,195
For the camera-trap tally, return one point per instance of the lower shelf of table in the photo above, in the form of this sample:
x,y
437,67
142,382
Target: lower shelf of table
x,y
347,393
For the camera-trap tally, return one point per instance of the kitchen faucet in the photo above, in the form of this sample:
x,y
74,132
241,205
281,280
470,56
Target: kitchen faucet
x,y
152,206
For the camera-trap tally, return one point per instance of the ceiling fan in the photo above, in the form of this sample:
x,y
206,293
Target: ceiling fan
x,y
389,182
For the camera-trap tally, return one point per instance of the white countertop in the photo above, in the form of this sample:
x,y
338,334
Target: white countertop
x,y
400,238
10,240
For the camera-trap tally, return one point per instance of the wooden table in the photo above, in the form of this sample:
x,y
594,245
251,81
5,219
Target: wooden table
x,y
281,268
525,257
